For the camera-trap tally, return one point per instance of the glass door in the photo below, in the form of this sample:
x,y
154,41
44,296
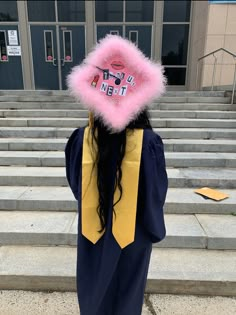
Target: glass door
x,y
45,57
57,30
72,49
131,19
11,76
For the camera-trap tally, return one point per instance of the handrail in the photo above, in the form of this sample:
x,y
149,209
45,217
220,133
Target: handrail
x,y
215,51
215,62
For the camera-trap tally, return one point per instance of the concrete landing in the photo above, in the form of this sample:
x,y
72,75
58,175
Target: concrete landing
x,y
65,303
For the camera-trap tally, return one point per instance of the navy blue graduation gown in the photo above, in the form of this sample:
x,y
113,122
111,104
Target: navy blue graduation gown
x,y
111,280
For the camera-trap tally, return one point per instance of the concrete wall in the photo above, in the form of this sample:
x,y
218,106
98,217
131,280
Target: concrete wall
x,y
221,32
197,39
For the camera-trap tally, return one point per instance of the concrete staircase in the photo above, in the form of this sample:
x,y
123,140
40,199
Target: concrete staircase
x,y
38,213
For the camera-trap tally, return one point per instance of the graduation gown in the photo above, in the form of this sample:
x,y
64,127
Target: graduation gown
x,y
111,280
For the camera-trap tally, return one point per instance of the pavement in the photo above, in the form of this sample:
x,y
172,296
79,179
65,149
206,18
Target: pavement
x,y
65,303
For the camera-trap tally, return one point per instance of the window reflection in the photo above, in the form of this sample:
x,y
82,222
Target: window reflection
x,y
133,37
67,45
175,76
103,30
177,11
8,11
109,11
48,42
3,46
41,11
175,44
143,35
71,11
139,11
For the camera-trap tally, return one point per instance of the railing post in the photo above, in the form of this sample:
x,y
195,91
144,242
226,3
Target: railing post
x,y
214,71
196,84
233,90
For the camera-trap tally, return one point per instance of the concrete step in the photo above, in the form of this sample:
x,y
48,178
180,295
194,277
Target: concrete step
x,y
68,98
195,99
165,133
43,98
65,92
193,106
33,144
178,178
199,145
183,271
48,113
60,228
171,145
79,122
173,159
54,198
78,106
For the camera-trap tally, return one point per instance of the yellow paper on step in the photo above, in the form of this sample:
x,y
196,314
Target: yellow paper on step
x,y
211,193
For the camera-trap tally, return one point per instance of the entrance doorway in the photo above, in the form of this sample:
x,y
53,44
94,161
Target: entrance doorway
x,y
57,33
55,50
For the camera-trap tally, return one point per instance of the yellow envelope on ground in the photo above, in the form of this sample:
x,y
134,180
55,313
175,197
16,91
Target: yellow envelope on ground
x,y
211,193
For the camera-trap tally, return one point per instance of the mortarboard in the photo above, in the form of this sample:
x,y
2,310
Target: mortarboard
x,y
116,81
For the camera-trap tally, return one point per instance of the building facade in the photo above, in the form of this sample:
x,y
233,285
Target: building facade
x,y
40,41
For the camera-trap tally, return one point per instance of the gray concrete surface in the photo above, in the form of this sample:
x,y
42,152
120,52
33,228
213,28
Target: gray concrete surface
x,y
82,113
218,147
173,159
53,198
156,122
60,228
76,106
175,271
165,133
57,303
178,178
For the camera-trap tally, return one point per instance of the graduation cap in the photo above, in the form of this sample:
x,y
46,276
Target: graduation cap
x,y
116,81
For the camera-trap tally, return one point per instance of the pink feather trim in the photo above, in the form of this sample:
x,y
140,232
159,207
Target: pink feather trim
x,y
117,111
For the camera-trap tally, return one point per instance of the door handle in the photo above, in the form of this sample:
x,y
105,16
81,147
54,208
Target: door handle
x,y
62,62
55,62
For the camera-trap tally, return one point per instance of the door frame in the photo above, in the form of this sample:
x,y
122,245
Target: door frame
x,y
27,54
198,9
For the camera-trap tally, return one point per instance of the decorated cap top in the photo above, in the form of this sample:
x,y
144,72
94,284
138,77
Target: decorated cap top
x,y
116,81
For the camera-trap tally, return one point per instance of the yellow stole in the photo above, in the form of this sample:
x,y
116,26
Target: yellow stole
x,y
123,222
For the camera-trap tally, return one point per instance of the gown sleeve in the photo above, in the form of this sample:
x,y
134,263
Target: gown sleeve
x,y
73,160
153,188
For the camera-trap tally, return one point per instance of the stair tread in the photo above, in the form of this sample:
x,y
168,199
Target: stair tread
x,y
166,263
168,141
60,228
176,172
61,198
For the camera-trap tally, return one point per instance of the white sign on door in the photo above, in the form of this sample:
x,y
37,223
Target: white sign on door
x,y
12,37
14,50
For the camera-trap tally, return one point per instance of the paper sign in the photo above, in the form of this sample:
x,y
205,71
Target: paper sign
x,y
14,50
211,193
12,37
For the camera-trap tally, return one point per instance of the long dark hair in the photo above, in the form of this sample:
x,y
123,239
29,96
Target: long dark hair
x,y
103,139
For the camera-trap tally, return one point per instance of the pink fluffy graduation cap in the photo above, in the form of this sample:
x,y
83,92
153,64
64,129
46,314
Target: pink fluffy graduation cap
x,y
116,81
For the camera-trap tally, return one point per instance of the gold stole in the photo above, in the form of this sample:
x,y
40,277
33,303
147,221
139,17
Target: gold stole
x,y
123,222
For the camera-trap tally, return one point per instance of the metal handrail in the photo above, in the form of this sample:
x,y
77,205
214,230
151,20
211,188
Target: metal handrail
x,y
215,62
